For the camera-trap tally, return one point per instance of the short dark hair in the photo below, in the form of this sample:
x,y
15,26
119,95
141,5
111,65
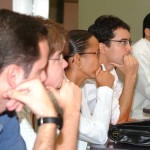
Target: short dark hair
x,y
19,38
104,27
146,23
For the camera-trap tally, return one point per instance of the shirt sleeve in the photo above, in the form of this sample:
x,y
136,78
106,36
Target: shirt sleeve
x,y
94,125
117,90
143,82
26,130
27,134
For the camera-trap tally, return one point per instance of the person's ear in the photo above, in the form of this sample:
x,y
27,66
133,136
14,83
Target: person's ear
x,y
15,75
102,48
77,59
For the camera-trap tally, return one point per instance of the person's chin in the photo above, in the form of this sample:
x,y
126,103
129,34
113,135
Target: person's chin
x,y
121,63
93,76
59,86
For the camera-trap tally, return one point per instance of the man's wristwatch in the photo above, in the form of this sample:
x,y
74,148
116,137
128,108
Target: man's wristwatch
x,y
57,120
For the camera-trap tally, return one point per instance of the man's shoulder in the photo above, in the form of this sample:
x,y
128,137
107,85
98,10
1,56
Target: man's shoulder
x,y
6,116
11,132
8,120
140,43
141,48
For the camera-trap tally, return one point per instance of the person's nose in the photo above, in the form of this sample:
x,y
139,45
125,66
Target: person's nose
x,y
64,64
129,48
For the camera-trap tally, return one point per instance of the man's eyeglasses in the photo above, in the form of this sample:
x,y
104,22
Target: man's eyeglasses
x,y
123,42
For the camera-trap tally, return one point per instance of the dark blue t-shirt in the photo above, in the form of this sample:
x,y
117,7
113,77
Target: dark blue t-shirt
x,y
10,138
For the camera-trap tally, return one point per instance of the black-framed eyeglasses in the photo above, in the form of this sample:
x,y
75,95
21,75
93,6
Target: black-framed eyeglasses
x,y
123,42
83,53
96,53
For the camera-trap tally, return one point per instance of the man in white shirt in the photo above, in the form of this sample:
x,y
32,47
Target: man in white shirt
x,y
114,44
141,50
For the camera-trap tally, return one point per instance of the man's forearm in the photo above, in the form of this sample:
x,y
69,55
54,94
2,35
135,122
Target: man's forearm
x,y
126,99
69,133
46,137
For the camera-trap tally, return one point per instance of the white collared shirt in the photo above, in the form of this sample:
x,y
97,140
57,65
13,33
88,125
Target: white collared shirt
x,y
141,50
100,106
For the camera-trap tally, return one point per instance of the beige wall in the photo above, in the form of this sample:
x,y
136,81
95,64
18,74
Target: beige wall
x,y
131,11
6,4
71,16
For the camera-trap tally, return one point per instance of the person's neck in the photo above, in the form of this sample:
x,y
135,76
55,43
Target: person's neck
x,y
74,76
148,38
107,65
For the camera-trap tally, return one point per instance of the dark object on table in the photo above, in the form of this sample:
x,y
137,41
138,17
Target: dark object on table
x,y
110,145
147,109
136,133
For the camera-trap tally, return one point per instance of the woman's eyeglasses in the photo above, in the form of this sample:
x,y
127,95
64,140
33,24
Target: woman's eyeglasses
x,y
96,53
60,59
